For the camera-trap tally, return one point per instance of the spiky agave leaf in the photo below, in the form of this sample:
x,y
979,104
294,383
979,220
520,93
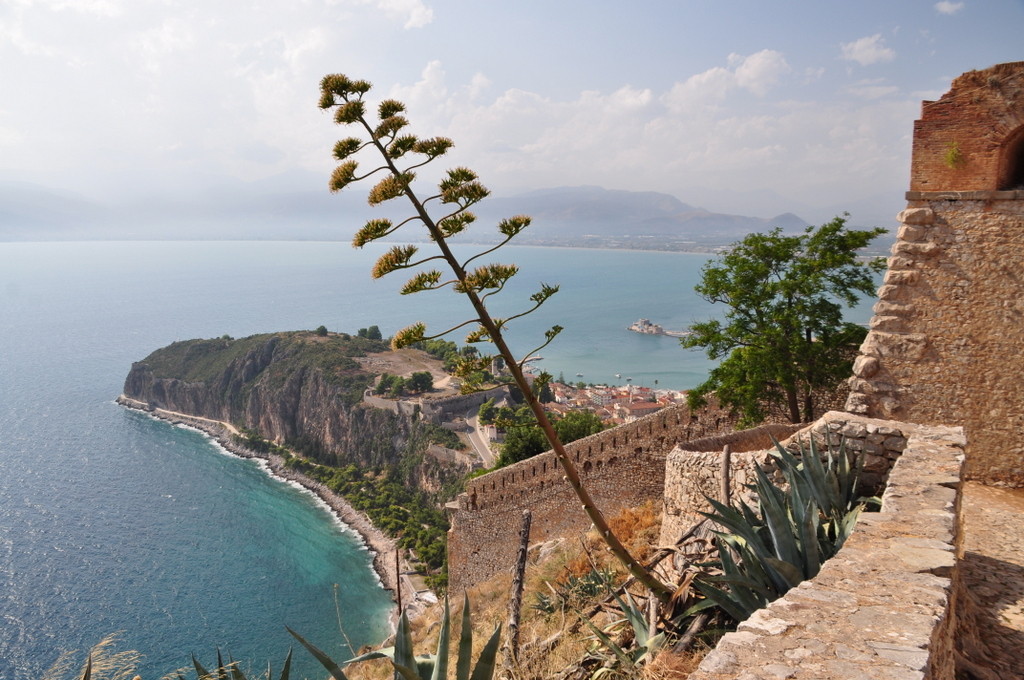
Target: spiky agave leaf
x,y
404,656
327,662
486,662
443,645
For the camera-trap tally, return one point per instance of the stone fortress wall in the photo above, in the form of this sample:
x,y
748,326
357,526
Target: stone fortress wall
x,y
945,341
693,470
622,467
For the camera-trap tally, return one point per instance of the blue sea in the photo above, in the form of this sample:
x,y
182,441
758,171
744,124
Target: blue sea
x,y
112,522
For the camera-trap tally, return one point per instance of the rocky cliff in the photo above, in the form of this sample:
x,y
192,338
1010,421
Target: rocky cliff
x,y
299,389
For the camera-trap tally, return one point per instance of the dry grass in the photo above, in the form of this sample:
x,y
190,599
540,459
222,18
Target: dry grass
x,y
548,643
107,663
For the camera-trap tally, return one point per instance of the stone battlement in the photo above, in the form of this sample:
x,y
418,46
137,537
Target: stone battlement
x,y
622,467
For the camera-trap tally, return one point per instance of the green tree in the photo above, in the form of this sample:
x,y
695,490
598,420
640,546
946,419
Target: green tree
x,y
420,381
321,331
577,425
522,442
486,412
783,339
373,333
525,440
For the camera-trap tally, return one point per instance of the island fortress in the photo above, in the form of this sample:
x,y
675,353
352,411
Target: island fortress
x,y
933,586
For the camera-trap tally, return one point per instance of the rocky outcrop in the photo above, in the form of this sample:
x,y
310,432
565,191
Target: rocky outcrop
x,y
297,388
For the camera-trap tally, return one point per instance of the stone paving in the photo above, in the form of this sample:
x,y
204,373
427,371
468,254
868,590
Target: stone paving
x,y
991,630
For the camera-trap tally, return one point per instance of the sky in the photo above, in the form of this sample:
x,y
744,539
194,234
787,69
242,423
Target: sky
x,y
752,107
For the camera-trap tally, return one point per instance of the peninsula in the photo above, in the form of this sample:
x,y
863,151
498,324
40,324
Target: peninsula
x,y
302,401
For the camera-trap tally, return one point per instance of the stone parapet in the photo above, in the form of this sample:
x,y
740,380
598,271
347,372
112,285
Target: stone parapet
x,y
693,471
884,606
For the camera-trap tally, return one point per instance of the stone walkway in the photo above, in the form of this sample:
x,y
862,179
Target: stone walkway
x,y
991,627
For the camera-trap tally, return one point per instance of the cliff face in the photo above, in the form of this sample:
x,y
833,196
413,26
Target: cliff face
x,y
295,388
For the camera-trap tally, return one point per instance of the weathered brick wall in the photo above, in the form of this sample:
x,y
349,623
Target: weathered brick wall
x,y
884,606
982,118
621,467
945,341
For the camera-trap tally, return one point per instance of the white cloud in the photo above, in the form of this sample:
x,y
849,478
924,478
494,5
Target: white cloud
x,y
760,71
414,13
13,32
172,35
946,7
756,73
685,136
868,50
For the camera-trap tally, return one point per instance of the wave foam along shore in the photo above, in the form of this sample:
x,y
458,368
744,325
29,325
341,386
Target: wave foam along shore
x,y
379,545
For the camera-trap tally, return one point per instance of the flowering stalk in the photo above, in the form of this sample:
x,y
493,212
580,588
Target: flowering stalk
x,y
458,191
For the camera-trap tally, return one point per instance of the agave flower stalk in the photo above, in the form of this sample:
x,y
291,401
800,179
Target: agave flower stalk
x,y
458,191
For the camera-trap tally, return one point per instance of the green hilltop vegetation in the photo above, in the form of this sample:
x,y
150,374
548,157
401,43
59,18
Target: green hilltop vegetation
x,y
206,360
374,458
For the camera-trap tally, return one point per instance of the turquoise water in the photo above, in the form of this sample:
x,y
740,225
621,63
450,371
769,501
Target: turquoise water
x,y
111,521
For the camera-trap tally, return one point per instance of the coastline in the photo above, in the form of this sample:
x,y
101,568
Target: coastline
x,y
380,546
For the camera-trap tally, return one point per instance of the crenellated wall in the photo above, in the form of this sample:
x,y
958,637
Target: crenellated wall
x,y
622,467
944,344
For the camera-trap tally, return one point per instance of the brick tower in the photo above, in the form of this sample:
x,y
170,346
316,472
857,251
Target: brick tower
x,y
946,344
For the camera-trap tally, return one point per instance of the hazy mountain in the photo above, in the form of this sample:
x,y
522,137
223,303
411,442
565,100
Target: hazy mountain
x,y
298,208
566,213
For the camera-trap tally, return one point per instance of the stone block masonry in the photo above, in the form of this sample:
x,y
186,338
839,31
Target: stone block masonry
x,y
621,467
885,605
944,344
693,471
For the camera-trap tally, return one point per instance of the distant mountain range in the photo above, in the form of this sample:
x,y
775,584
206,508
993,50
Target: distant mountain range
x,y
584,215
571,213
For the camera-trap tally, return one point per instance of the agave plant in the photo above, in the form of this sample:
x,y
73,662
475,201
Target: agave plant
x,y
769,549
648,641
231,671
408,666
